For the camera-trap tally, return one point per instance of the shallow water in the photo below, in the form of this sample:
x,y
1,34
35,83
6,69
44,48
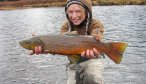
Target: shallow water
x,y
122,23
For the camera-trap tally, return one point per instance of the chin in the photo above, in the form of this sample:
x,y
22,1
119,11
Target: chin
x,y
77,23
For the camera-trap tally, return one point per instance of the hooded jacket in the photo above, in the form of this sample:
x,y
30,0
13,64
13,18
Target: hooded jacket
x,y
89,23
89,27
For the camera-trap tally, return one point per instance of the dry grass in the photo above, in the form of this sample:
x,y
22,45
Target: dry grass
x,y
121,2
47,3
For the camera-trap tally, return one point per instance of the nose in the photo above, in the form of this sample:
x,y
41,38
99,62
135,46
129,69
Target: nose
x,y
74,15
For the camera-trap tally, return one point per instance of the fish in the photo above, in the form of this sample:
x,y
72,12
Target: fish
x,y
74,45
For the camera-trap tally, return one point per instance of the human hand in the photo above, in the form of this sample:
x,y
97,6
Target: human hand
x,y
37,50
90,54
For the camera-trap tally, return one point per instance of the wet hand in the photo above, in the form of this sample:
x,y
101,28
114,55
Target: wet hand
x,y
90,54
38,50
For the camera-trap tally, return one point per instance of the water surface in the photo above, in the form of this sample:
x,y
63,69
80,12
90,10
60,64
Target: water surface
x,y
122,23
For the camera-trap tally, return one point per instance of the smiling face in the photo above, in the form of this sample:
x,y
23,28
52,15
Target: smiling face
x,y
76,14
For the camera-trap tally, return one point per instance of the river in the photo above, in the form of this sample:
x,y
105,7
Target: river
x,y
122,23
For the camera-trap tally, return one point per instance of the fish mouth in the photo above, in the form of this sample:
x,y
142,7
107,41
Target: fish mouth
x,y
24,45
21,43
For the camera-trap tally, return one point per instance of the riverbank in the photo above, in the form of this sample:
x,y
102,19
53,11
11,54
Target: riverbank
x,y
121,2
9,5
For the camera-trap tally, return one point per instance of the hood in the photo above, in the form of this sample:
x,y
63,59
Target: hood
x,y
85,3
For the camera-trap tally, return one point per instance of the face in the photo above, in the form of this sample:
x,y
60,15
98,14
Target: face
x,y
76,14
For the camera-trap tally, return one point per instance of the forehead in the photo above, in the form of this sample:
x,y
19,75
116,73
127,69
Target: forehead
x,y
75,7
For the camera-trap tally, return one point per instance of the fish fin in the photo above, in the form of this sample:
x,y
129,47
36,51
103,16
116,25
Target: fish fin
x,y
73,58
116,51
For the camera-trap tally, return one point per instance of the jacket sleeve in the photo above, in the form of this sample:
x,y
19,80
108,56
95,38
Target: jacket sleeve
x,y
96,28
64,27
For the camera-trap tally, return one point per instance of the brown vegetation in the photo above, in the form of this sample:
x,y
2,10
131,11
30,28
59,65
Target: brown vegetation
x,y
29,3
12,4
121,2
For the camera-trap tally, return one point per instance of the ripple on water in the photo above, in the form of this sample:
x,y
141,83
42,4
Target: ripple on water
x,y
122,23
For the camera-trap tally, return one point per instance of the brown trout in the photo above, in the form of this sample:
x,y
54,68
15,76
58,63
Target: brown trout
x,y
74,45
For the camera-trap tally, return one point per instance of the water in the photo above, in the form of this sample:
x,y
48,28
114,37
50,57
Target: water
x,y
122,23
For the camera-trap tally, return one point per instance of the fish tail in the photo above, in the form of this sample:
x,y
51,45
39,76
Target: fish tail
x,y
116,50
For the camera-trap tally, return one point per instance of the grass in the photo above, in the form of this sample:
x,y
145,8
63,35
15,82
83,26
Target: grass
x,y
46,3
121,2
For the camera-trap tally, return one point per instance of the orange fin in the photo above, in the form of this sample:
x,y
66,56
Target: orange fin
x,y
116,51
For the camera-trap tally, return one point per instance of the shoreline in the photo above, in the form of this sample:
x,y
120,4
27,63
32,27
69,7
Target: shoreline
x,y
11,5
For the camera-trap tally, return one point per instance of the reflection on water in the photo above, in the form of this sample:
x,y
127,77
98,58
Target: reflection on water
x,y
122,23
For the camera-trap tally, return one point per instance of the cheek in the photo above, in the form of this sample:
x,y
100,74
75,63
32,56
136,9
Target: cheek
x,y
69,16
82,17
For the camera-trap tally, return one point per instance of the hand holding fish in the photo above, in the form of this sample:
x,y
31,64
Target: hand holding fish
x,y
91,54
38,49
74,45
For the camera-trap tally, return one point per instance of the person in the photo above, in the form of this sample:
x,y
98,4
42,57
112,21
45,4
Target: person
x,y
88,67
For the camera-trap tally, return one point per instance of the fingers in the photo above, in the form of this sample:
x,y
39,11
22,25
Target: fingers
x,y
38,50
96,53
86,54
90,54
83,54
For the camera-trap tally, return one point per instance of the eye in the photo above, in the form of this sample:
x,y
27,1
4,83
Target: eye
x,y
78,11
69,12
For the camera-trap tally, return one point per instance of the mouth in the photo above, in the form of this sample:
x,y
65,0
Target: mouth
x,y
76,21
